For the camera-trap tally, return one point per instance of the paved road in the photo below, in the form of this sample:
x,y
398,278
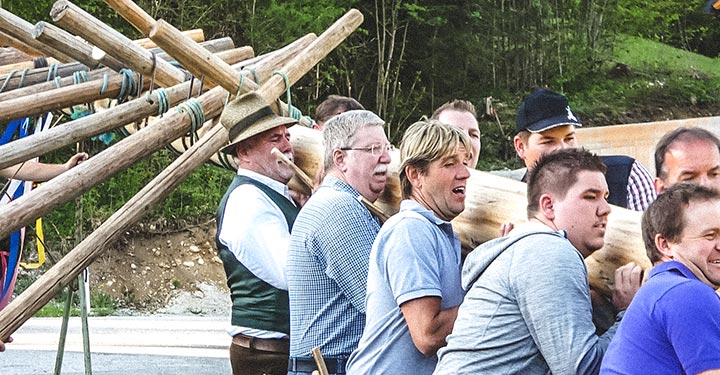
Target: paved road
x,y
152,345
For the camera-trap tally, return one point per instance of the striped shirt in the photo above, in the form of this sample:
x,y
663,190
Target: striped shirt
x,y
327,270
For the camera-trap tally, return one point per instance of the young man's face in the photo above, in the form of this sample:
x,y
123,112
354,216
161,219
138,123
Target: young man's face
x,y
537,144
442,187
468,123
583,212
699,245
695,161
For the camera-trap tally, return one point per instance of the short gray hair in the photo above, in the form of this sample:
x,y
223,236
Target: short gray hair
x,y
340,130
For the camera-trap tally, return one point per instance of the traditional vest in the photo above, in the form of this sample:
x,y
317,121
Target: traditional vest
x,y
255,303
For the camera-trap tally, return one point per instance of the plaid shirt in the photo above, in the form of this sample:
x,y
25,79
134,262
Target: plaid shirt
x,y
327,270
640,189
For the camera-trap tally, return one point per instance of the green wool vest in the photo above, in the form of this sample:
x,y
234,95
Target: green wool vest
x,y
255,303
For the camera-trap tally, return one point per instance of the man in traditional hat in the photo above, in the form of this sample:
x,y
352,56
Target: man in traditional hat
x,y
545,123
461,114
330,243
689,155
254,221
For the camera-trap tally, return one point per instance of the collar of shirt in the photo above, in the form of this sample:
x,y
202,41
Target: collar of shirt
x,y
670,266
273,184
414,206
340,185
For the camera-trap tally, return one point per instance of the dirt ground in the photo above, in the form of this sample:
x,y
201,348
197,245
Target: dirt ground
x,y
176,272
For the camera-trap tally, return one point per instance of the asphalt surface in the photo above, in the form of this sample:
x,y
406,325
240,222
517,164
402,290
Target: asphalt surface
x,y
153,345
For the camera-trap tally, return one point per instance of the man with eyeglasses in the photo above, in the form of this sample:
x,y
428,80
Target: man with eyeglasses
x,y
327,264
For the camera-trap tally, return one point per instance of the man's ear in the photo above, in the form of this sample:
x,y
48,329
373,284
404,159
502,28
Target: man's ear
x,y
659,185
241,151
338,157
519,147
413,175
663,246
547,206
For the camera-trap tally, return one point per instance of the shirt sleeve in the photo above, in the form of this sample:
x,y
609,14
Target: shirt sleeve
x,y
408,260
690,314
344,249
255,230
640,189
554,299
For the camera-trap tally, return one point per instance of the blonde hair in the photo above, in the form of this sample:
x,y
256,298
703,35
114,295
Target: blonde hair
x,y
426,141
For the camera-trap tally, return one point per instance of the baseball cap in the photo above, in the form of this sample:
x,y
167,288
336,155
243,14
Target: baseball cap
x,y
543,110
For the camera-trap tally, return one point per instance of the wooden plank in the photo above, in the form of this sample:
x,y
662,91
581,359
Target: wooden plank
x,y
638,140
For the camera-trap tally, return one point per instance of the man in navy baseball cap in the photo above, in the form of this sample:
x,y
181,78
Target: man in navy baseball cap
x,y
545,123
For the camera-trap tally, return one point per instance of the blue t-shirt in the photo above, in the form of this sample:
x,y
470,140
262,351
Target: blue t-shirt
x,y
671,327
415,255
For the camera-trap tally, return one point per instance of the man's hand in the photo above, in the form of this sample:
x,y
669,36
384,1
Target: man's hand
x,y
505,229
75,160
628,279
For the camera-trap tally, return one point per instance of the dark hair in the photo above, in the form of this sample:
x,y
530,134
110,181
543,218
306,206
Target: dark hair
x,y
455,105
679,135
334,103
556,173
666,215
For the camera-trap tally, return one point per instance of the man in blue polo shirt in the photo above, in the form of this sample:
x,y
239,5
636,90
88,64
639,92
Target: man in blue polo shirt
x,y
413,289
673,324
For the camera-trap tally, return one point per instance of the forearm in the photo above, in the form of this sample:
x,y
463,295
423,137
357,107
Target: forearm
x,y
429,325
33,171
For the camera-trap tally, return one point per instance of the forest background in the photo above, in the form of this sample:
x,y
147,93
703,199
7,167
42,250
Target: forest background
x,y
618,61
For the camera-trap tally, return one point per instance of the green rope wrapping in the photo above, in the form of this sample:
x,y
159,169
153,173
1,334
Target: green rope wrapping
x,y
194,109
293,112
103,88
162,98
9,77
52,73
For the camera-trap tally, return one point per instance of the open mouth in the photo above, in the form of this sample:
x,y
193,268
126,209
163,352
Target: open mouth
x,y
460,190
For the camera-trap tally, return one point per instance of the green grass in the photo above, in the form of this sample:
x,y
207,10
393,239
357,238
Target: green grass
x,y
649,56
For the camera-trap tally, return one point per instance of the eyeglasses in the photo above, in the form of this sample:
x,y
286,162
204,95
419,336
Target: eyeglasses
x,y
375,150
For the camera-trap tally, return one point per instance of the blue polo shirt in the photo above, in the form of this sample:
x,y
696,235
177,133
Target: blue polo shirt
x,y
415,255
671,327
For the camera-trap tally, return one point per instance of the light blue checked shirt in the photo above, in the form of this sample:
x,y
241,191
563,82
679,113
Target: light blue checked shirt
x,y
327,270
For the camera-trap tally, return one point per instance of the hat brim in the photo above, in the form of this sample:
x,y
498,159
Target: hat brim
x,y
552,122
264,124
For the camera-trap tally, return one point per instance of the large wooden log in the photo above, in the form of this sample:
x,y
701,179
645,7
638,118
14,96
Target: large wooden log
x,y
39,76
40,292
21,30
81,23
638,140
30,64
11,55
75,48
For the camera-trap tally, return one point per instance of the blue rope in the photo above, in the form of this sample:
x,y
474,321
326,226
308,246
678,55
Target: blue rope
x,y
193,108
292,111
52,72
7,80
127,85
103,89
162,98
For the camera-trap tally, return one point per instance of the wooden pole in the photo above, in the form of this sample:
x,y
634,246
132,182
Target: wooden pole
x,y
60,39
38,76
28,65
133,14
197,60
68,96
81,23
41,291
9,41
197,35
21,30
